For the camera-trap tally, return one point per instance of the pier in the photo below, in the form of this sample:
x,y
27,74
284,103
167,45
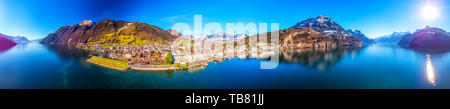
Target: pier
x,y
109,63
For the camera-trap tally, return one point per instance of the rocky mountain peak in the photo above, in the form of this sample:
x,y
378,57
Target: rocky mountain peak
x,y
395,34
323,24
324,19
429,37
430,31
174,32
353,31
108,32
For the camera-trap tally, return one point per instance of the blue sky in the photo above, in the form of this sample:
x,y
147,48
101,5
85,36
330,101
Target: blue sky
x,y
37,18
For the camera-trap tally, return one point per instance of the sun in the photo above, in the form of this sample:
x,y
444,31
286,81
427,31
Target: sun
x,y
430,12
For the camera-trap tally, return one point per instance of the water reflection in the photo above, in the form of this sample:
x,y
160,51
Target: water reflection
x,y
430,71
4,48
68,52
21,46
432,51
320,59
375,67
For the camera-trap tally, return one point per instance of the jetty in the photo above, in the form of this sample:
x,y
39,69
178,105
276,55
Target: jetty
x,y
109,63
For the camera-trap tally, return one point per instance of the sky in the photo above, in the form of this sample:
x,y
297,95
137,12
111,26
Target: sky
x,y
36,19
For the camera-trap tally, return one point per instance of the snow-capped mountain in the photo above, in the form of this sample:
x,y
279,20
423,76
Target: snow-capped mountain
x,y
17,39
229,36
392,38
226,37
427,38
363,37
323,24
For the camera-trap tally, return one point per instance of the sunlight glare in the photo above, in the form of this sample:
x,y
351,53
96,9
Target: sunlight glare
x,y
430,12
430,71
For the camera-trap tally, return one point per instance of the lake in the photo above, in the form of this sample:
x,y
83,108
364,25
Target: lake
x,y
378,66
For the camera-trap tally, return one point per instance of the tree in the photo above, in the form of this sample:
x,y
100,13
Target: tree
x,y
169,58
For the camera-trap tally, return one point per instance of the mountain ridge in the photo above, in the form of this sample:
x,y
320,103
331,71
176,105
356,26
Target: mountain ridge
x,y
328,26
16,39
315,34
322,24
427,38
391,38
363,37
108,32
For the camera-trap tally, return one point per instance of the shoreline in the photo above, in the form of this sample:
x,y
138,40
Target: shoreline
x,y
157,68
192,64
173,67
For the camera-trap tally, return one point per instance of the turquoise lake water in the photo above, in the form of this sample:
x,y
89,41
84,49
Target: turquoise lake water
x,y
378,66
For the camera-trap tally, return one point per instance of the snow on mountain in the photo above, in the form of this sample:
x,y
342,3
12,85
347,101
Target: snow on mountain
x,y
392,38
86,22
322,24
17,39
363,37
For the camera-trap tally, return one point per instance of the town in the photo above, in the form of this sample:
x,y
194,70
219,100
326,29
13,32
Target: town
x,y
184,53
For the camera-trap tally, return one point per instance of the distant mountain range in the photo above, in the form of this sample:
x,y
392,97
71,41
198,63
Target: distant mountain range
x,y
321,31
363,37
17,39
427,38
109,32
392,38
6,43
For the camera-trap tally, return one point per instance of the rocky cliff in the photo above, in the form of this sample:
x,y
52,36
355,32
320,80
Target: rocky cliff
x,y
323,24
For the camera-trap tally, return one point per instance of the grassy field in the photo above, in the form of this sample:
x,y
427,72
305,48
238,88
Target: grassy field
x,y
109,62
122,39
